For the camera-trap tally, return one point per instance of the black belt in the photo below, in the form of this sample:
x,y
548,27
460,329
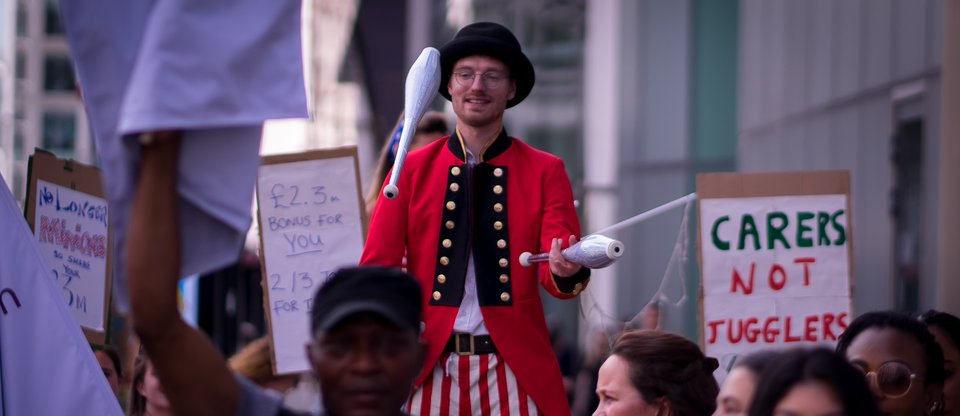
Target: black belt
x,y
466,344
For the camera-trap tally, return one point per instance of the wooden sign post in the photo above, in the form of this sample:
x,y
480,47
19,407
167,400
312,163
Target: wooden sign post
x,y
775,257
68,214
312,222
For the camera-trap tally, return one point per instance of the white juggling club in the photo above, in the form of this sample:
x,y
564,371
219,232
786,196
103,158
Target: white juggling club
x,y
423,82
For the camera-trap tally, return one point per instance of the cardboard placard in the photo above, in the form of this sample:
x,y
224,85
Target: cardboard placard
x,y
312,221
775,259
67,212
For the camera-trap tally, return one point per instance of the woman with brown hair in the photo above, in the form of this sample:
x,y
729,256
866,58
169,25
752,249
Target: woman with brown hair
x,y
253,362
146,395
653,372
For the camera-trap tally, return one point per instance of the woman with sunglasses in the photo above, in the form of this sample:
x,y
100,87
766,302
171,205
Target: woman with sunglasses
x,y
812,382
946,329
901,359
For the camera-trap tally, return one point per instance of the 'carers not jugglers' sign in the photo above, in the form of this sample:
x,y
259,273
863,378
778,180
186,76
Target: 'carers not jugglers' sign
x,y
776,271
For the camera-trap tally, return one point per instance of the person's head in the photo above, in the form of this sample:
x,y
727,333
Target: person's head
x,y
483,72
903,363
946,330
146,395
366,348
656,373
812,382
737,389
431,127
253,362
109,362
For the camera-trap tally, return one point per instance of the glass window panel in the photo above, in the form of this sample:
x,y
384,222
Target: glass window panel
x,y
21,19
59,131
17,144
21,69
53,25
57,73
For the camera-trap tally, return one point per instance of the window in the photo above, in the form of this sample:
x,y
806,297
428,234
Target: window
x,y
17,144
57,74
53,24
21,19
59,131
21,68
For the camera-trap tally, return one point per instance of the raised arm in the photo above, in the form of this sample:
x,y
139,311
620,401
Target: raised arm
x,y
194,375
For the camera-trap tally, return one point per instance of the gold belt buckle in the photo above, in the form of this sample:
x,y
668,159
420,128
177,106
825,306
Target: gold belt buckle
x,y
457,344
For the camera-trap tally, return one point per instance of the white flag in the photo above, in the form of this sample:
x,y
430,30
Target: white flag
x,y
46,365
216,70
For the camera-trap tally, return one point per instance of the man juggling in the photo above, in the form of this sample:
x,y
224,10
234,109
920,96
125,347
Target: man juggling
x,y
469,205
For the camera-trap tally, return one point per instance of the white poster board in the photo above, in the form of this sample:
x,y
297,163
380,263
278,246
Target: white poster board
x,y
312,222
775,271
71,231
68,213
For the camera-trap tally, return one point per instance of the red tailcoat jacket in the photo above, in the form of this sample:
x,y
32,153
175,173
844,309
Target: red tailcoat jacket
x,y
516,199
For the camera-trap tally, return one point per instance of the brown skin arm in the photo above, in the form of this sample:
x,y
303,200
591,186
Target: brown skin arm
x,y
194,375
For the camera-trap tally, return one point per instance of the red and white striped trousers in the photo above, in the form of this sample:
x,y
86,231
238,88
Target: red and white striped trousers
x,y
463,385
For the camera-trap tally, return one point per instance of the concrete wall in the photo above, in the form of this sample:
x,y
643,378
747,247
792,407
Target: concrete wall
x,y
822,85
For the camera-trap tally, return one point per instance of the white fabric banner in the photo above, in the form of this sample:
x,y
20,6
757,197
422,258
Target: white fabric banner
x,y
216,70
46,365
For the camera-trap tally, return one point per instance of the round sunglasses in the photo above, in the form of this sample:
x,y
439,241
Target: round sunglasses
x,y
892,378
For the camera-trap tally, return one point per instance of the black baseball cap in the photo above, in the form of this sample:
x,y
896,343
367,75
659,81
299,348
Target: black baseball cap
x,y
386,291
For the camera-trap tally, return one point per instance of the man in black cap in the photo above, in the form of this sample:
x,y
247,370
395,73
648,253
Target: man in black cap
x,y
366,347
474,201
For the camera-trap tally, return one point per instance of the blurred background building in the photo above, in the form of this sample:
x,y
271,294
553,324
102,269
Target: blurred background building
x,y
39,102
637,96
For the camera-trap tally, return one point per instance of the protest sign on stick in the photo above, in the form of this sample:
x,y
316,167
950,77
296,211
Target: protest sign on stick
x,y
312,222
66,209
775,260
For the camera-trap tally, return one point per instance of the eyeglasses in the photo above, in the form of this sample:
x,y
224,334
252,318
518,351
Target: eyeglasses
x,y
490,80
893,379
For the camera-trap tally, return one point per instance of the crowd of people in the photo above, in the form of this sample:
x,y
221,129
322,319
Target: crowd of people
x,y
885,363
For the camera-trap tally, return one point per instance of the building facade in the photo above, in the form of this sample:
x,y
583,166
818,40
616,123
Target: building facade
x,y
854,86
47,111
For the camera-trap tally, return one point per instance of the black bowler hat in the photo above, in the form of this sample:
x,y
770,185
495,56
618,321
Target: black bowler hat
x,y
490,39
385,291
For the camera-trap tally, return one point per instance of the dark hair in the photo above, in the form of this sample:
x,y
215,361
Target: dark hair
x,y
932,354
114,357
950,324
758,361
665,365
138,403
432,122
818,365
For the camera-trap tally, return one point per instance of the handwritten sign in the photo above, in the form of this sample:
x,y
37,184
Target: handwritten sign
x,y
776,271
71,231
69,216
311,224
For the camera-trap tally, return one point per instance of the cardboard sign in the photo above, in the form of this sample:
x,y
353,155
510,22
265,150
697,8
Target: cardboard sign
x,y
68,214
312,222
775,261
